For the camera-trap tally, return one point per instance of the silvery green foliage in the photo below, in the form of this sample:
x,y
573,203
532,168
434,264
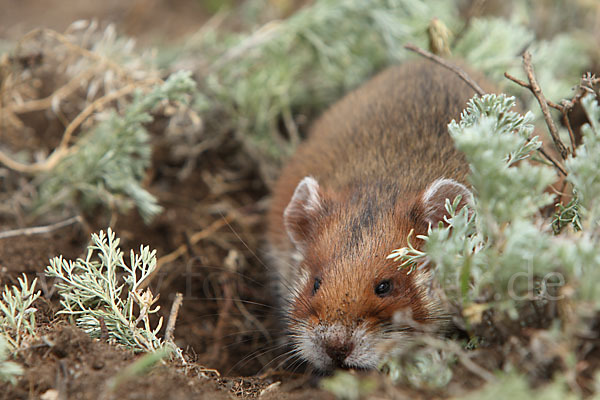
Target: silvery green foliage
x,y
9,371
582,255
103,287
498,239
424,368
583,169
503,246
309,59
347,386
17,316
108,163
567,215
493,139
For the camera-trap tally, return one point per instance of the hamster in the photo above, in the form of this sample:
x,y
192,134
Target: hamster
x,y
378,164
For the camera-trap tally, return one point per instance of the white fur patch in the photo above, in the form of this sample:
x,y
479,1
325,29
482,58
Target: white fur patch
x,y
433,188
306,195
434,197
299,211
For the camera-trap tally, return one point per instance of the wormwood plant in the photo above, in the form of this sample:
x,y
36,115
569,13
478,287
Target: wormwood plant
x,y
101,292
17,314
503,236
490,254
17,319
308,60
107,164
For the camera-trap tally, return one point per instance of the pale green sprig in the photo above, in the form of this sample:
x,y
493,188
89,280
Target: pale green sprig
x,y
92,291
583,169
17,316
567,215
346,386
9,370
410,256
425,368
502,120
493,139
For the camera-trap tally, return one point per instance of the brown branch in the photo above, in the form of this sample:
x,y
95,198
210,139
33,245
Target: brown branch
x,y
60,93
548,157
528,86
537,92
458,71
517,81
558,165
38,230
173,317
464,76
63,148
567,123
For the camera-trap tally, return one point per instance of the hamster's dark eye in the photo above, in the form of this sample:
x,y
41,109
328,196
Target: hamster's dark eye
x,y
316,286
383,288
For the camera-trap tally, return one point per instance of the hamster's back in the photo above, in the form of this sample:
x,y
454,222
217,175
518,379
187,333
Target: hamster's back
x,y
393,128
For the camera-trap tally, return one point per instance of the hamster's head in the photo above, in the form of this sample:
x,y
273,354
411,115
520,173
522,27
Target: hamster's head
x,y
351,305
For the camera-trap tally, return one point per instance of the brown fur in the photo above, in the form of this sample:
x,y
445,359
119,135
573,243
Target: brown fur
x,y
373,153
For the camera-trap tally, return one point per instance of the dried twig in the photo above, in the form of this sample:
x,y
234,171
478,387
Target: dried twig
x,y
60,93
63,148
173,317
462,74
38,230
564,108
537,92
567,123
560,108
101,60
554,162
528,86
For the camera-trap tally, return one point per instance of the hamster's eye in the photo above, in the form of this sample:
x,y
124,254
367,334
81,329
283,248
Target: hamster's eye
x,y
383,288
316,286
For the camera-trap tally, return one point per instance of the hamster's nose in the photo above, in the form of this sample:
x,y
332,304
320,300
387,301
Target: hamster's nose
x,y
338,350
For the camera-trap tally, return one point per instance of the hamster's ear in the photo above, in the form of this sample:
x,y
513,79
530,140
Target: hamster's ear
x,y
301,211
434,199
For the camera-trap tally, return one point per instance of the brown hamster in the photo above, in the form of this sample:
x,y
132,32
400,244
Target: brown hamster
x,y
377,164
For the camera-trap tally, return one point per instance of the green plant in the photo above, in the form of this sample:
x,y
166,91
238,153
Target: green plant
x,y
567,215
305,62
107,164
17,316
426,367
498,252
93,294
9,371
346,386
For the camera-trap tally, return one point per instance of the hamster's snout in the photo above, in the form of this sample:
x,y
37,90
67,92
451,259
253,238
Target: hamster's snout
x,y
338,345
